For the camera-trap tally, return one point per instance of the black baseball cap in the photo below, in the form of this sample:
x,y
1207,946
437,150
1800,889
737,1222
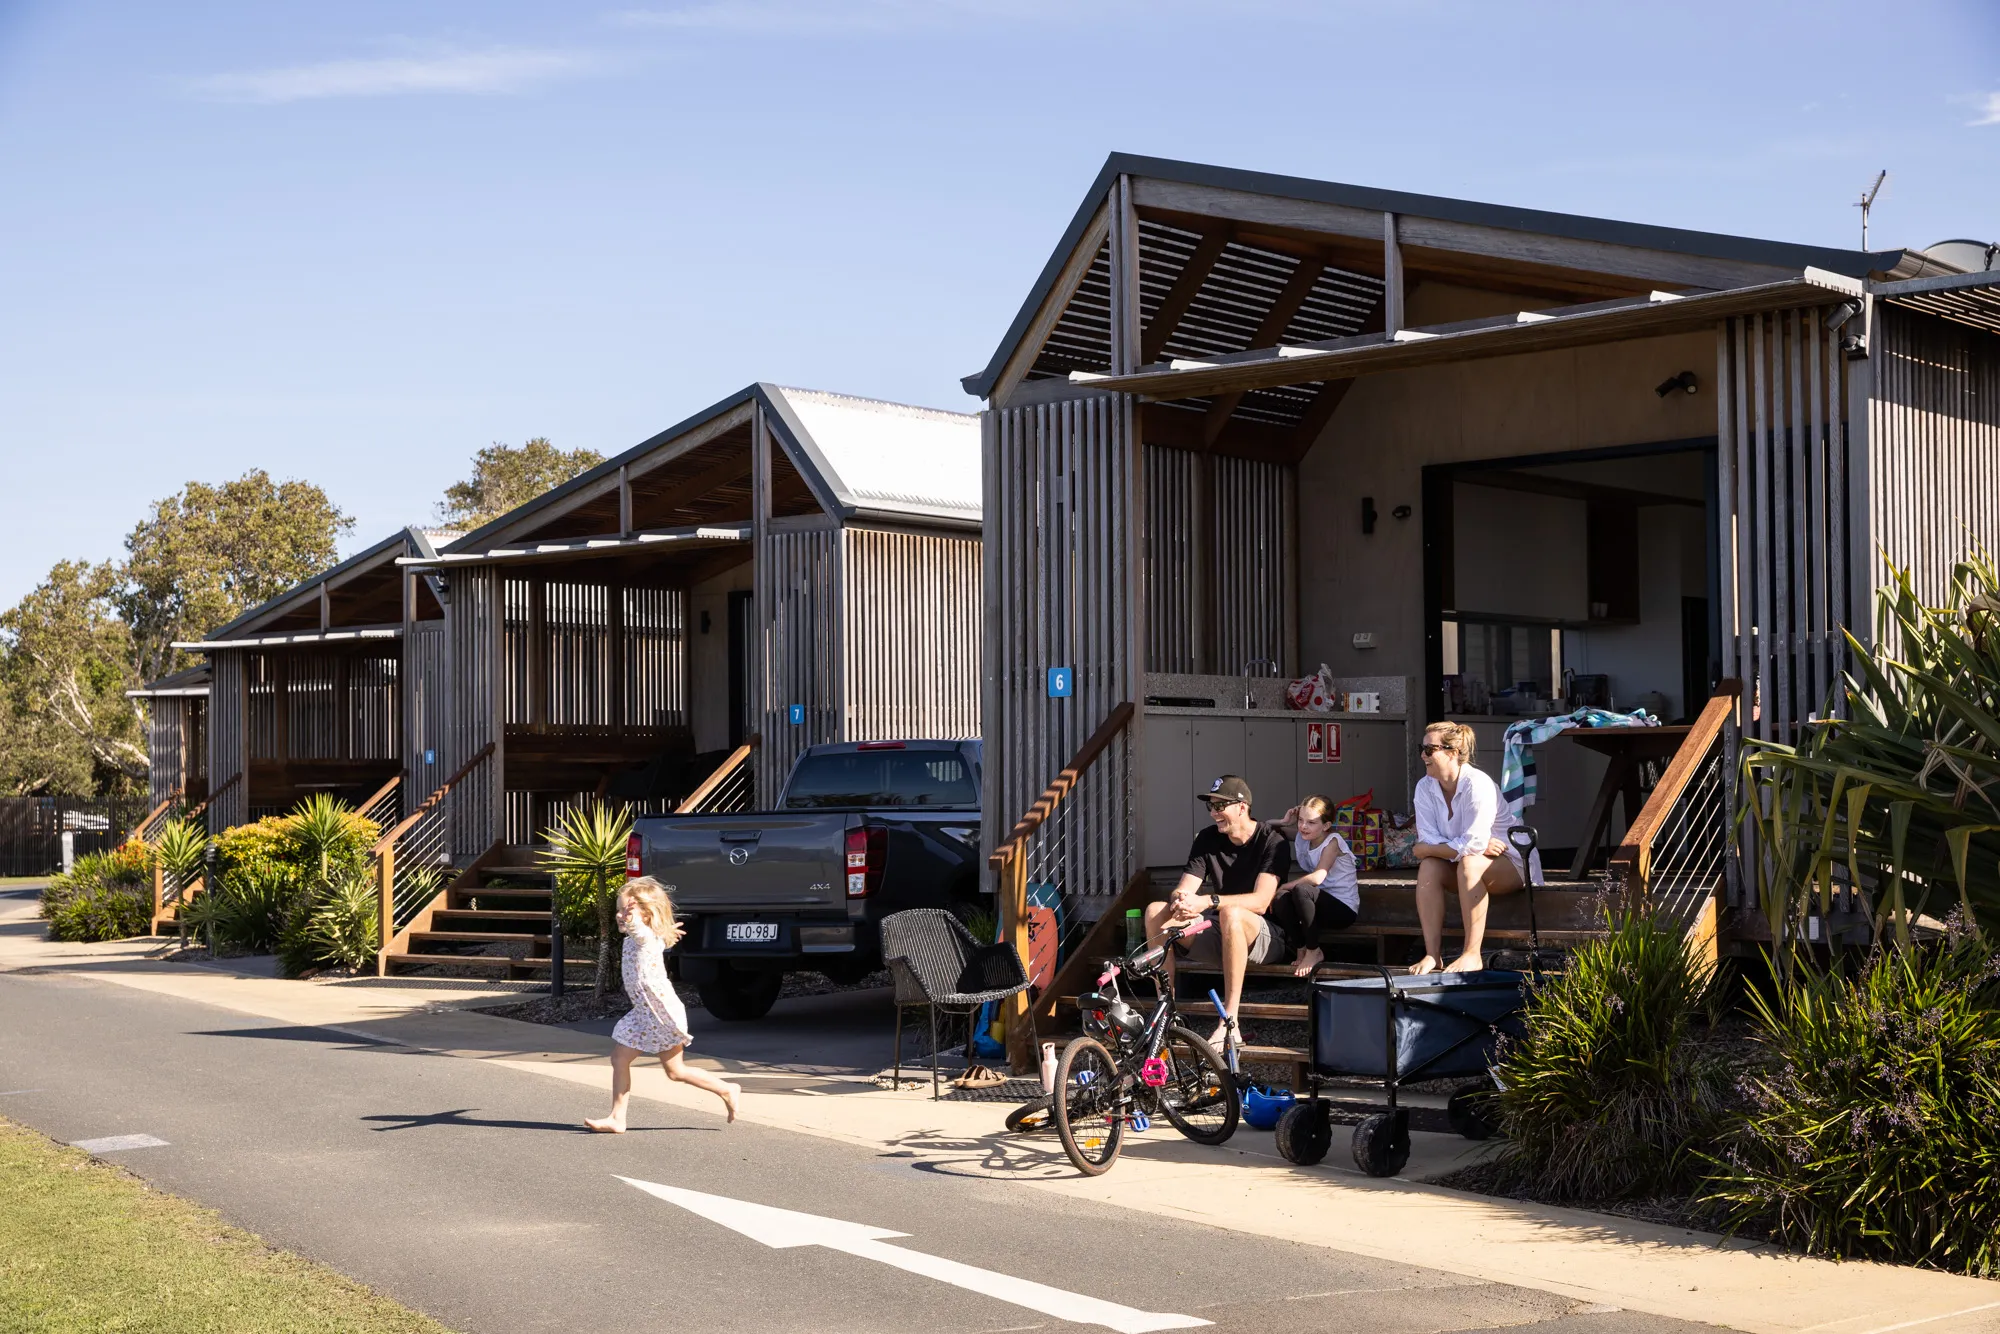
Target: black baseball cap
x,y
1229,787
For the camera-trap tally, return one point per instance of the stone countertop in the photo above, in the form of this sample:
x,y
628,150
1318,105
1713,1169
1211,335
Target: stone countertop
x,y
1170,711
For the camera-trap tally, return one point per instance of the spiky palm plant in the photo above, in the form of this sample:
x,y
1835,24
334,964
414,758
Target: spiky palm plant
x,y
588,845
1904,791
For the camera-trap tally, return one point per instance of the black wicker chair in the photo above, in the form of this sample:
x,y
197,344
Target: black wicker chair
x,y
935,963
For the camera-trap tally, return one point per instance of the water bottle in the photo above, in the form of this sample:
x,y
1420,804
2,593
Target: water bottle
x,y
1135,929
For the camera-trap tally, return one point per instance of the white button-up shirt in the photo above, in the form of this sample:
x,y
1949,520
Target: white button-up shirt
x,y
1474,814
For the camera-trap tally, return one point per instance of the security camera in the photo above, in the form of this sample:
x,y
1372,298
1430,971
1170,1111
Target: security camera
x,y
1838,317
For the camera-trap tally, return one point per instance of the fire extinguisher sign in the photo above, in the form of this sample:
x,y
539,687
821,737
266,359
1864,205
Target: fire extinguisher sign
x,y
1322,743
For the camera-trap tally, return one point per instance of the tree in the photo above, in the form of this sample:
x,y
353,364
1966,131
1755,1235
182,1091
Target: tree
x,y
65,664
208,553
504,476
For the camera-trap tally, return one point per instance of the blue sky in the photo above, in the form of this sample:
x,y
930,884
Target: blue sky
x,y
354,243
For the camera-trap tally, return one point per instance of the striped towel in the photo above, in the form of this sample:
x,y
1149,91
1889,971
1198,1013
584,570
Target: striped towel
x,y
1517,760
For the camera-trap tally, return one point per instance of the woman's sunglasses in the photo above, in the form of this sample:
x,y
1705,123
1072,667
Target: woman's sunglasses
x,y
1430,748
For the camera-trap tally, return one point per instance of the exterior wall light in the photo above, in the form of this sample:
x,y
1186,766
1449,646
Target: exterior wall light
x,y
1686,381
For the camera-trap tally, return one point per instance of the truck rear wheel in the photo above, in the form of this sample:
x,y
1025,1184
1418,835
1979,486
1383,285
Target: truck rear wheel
x,y
739,995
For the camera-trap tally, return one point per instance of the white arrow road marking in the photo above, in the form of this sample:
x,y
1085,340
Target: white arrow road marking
x,y
782,1228
114,1143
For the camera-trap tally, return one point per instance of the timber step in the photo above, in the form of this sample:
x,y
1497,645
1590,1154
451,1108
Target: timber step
x,y
499,963
475,916
478,937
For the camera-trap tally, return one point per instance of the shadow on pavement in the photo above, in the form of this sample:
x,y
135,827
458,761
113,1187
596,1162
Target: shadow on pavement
x,y
459,1118
330,1037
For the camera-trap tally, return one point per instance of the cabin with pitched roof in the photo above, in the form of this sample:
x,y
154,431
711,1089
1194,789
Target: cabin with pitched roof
x,y
1483,462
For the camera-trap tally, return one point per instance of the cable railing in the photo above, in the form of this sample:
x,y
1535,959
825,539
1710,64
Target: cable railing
x,y
414,860
1065,868
1676,854
209,800
148,829
384,808
731,788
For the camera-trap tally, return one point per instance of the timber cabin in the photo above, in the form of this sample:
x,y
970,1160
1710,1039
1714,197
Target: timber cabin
x,y
1481,461
669,629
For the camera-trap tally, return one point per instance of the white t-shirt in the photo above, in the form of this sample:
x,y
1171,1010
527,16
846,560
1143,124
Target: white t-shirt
x,y
1341,881
1474,814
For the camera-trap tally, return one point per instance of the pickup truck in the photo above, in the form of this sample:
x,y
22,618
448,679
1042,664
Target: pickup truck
x,y
861,830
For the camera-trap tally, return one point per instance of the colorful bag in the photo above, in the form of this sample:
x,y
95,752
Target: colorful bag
x,y
1364,825
1313,694
1399,843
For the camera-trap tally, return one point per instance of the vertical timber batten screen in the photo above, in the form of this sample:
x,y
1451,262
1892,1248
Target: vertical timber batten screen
x,y
474,682
228,739
166,736
1249,563
1173,560
910,625
424,716
1058,548
1934,446
796,589
1783,483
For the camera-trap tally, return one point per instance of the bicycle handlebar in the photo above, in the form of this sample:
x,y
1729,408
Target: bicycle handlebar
x,y
1147,958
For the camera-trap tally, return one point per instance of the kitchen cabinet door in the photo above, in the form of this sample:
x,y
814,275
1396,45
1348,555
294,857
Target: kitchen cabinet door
x,y
1170,807
1271,751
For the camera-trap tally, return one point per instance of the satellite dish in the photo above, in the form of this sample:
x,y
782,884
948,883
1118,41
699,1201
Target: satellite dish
x,y
1966,256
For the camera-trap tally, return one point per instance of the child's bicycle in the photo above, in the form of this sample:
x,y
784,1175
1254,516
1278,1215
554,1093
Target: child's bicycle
x,y
1128,1068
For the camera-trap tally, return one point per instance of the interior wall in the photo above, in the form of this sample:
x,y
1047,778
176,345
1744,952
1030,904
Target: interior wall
x,y
708,654
1390,426
1646,657
1516,553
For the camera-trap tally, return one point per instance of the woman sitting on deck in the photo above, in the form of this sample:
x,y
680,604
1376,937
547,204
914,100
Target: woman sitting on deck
x,y
1326,898
1461,843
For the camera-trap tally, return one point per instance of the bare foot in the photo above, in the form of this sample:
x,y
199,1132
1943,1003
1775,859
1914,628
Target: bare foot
x,y
1308,960
1219,1037
1466,963
1427,964
729,1099
605,1125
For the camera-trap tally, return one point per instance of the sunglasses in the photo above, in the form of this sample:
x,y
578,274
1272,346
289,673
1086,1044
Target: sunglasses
x,y
1430,748
1221,803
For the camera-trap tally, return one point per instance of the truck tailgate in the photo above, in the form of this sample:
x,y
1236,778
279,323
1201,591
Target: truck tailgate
x,y
735,862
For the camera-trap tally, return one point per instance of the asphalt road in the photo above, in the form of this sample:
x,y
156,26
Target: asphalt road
x,y
467,1190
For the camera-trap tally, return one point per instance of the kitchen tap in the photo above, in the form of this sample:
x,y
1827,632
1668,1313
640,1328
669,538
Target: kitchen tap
x,y
1249,699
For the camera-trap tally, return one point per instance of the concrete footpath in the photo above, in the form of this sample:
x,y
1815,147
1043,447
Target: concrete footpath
x,y
1243,1187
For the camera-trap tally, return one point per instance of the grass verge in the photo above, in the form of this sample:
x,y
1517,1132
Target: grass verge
x,y
86,1246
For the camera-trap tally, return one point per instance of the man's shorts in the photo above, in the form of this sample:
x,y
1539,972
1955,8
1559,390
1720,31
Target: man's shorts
x,y
1268,946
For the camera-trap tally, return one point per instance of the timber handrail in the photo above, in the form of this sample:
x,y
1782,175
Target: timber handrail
x,y
1059,787
737,759
1010,861
388,840
209,800
380,793
1634,852
141,830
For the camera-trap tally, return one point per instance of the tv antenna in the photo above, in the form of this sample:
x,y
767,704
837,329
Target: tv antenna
x,y
1867,201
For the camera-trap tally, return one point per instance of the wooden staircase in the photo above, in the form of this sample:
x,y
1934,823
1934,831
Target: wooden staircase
x,y
493,917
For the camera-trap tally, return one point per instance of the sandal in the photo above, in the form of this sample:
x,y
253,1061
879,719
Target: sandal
x,y
979,1077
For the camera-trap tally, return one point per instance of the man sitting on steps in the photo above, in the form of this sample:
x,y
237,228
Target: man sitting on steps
x,y
1231,878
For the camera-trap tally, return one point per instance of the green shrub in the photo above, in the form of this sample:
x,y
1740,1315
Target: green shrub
x,y
182,848
274,876
1876,1133
103,896
345,928
1613,1091
247,909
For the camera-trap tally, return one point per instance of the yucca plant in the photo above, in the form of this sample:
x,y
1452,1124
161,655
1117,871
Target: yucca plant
x,y
588,847
345,928
1904,791
1876,1130
1612,1091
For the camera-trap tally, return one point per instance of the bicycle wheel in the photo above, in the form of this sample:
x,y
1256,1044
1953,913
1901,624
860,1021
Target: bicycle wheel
x,y
1200,1095
1088,1117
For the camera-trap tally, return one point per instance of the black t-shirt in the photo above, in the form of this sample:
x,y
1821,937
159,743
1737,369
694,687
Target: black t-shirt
x,y
1233,868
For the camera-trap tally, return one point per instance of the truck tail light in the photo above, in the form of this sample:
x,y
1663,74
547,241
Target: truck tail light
x,y
633,846
865,849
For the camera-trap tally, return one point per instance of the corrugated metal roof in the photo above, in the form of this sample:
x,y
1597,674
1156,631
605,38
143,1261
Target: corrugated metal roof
x,y
891,456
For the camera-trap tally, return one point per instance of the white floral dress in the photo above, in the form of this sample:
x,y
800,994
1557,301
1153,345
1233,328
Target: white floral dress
x,y
657,1021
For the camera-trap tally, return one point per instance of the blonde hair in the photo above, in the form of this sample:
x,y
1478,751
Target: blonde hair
x,y
1458,738
649,896
1315,807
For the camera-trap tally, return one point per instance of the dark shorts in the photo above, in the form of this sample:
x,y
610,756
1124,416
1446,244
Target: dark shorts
x,y
1267,947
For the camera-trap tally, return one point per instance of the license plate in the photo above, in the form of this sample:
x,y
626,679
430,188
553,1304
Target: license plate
x,y
751,933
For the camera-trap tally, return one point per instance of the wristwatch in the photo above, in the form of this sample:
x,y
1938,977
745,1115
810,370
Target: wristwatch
x,y
1215,902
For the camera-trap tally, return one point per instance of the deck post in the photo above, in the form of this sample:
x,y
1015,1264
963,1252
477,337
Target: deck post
x,y
1392,276
385,886
1014,930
